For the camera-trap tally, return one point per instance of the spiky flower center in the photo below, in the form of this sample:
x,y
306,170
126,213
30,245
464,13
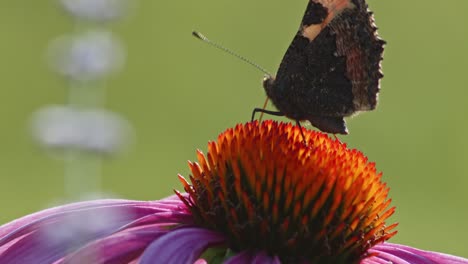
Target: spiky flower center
x,y
266,190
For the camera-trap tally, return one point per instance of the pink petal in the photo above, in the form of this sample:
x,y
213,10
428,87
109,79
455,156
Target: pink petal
x,y
400,254
183,245
253,258
49,235
121,247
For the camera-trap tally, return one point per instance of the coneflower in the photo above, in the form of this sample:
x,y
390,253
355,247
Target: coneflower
x,y
260,195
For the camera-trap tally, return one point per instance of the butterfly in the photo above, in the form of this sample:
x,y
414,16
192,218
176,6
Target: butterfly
x,y
332,69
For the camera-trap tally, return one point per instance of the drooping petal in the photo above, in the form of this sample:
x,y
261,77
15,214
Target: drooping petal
x,y
263,258
53,238
171,219
242,257
51,234
400,254
121,247
184,245
253,258
41,215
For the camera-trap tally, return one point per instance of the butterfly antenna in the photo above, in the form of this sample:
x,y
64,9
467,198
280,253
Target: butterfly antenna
x,y
218,46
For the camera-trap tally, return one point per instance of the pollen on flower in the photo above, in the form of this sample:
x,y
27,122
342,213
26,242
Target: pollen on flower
x,y
262,187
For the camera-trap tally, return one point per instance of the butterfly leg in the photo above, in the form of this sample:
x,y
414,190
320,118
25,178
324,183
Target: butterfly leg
x,y
277,113
261,110
302,132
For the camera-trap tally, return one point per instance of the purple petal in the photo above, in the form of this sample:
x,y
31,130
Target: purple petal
x,y
49,235
400,254
9,227
163,218
121,247
183,245
167,204
47,239
123,212
263,258
257,258
242,257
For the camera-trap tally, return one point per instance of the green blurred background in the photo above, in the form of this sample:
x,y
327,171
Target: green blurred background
x,y
178,93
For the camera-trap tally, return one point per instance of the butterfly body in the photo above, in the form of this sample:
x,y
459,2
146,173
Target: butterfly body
x,y
332,69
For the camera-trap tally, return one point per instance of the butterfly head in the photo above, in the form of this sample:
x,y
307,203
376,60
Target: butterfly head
x,y
268,82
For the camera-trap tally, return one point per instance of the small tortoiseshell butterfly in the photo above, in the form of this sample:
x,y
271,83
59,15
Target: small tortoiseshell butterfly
x,y
332,67
330,71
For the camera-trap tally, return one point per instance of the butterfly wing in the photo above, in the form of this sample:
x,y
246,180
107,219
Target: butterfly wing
x,y
357,40
332,67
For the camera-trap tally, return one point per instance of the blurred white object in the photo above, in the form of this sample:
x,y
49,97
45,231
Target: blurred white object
x,y
97,10
88,56
93,130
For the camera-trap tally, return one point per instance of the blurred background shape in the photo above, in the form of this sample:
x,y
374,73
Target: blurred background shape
x,y
97,10
92,130
86,56
178,93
